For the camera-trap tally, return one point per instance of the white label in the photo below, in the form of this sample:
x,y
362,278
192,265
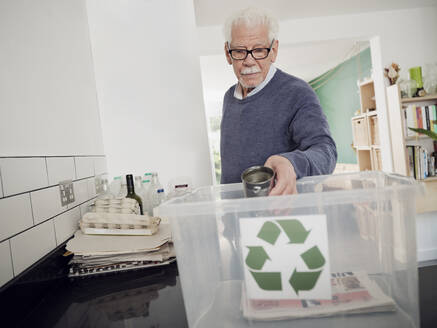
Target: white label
x,y
286,257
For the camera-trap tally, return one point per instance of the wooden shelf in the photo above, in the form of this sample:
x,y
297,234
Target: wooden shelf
x,y
418,137
362,147
418,99
365,129
399,142
363,83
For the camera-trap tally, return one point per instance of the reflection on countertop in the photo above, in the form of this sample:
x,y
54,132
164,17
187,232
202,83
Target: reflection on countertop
x,y
45,297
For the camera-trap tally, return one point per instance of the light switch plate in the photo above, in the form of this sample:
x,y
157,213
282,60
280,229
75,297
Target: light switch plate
x,y
66,191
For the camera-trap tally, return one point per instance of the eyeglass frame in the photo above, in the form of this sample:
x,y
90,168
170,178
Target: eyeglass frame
x,y
250,52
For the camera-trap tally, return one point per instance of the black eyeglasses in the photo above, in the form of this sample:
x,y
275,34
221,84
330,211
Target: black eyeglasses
x,y
257,53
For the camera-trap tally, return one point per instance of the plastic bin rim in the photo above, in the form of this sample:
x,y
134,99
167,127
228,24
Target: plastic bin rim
x,y
336,197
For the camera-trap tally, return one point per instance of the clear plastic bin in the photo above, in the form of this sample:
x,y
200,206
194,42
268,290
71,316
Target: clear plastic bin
x,y
370,219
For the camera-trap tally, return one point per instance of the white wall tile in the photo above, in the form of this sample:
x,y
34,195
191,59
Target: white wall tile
x,y
80,192
6,272
84,167
91,188
15,215
1,188
29,246
23,174
66,224
46,203
60,169
100,165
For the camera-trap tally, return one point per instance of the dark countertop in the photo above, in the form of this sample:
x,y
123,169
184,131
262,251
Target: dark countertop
x,y
44,297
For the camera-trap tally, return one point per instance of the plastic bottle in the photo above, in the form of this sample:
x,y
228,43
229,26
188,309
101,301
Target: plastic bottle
x,y
156,193
139,190
146,188
115,186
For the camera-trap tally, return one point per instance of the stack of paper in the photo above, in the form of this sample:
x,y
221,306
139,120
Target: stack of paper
x,y
352,293
94,254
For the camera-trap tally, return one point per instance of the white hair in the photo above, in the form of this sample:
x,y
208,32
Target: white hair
x,y
251,17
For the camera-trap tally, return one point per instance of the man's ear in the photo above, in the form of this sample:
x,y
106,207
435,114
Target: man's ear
x,y
228,57
274,51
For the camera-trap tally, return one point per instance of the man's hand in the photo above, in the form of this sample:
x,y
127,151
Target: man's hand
x,y
285,175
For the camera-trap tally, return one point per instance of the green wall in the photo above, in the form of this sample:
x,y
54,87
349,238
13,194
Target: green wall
x,y
338,94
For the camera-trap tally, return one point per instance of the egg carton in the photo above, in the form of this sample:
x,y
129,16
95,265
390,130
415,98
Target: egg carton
x,y
118,224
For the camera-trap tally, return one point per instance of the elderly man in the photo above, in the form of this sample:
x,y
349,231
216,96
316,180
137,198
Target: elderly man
x,y
269,117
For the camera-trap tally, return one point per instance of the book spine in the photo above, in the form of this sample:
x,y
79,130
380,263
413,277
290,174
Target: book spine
x,y
423,115
412,169
416,162
411,122
419,117
434,120
428,126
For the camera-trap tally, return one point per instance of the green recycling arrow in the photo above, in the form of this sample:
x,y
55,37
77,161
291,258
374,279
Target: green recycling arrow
x,y
269,232
257,257
313,258
296,232
304,280
268,280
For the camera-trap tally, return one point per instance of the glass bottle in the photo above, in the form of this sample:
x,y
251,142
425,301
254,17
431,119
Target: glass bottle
x,y
123,189
131,192
115,186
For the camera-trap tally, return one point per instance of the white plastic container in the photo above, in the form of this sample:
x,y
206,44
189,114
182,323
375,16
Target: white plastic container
x,y
370,221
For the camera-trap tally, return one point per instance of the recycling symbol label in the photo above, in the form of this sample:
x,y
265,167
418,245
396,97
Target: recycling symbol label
x,y
286,257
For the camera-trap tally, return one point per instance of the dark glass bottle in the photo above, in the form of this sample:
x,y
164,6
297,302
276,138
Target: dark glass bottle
x,y
131,192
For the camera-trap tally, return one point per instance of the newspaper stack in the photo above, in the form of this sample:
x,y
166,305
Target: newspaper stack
x,y
95,254
352,292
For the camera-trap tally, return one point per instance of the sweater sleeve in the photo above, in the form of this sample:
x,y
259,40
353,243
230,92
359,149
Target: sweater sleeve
x,y
316,152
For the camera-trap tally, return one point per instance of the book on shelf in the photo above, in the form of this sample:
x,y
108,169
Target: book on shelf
x,y
422,117
421,162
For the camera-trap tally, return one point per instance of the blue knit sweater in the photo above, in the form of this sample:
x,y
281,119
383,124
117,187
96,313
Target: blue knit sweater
x,y
284,118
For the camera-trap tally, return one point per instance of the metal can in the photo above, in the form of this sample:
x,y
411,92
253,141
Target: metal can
x,y
258,181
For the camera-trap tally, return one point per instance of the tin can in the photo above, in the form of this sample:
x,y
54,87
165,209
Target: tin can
x,y
258,181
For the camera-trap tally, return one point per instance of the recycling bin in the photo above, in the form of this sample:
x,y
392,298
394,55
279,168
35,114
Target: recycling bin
x,y
340,253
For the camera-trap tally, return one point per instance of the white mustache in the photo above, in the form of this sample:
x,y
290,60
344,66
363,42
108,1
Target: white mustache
x,y
250,70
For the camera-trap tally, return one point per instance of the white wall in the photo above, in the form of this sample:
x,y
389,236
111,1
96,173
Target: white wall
x,y
49,127
48,101
150,92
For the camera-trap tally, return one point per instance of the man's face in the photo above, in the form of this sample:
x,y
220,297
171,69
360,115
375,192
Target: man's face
x,y
250,72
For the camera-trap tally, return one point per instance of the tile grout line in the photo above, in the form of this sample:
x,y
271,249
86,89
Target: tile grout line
x,y
54,230
42,188
75,168
50,218
31,207
12,258
1,184
47,171
51,156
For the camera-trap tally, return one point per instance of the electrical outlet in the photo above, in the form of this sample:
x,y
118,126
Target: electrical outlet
x,y
66,192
